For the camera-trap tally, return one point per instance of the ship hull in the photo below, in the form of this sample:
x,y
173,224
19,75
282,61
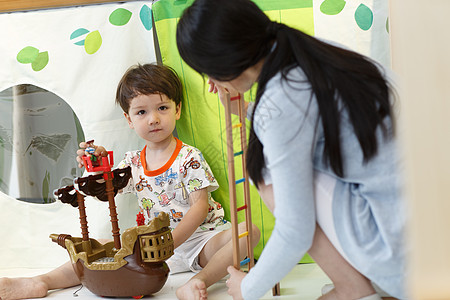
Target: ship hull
x,y
128,281
138,268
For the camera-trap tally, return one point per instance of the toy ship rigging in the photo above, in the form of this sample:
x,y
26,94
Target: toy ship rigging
x,y
133,265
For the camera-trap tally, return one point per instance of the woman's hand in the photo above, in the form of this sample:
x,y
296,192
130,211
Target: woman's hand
x,y
223,93
88,148
234,283
212,86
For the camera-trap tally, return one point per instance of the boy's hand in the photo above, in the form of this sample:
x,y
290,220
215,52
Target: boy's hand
x,y
88,148
234,283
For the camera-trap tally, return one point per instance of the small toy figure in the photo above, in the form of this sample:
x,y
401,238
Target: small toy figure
x,y
90,152
101,163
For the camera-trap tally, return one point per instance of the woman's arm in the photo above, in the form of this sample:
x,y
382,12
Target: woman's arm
x,y
285,123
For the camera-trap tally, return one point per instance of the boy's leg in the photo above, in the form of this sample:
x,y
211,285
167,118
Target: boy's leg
x,y
38,286
217,254
215,257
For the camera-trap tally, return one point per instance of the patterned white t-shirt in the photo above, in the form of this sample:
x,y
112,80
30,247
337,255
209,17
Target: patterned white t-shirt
x,y
167,189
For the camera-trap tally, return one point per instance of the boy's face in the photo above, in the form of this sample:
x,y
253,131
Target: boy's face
x,y
153,117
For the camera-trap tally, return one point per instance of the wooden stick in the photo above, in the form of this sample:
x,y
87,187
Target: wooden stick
x,y
276,290
112,209
232,184
248,215
86,243
83,218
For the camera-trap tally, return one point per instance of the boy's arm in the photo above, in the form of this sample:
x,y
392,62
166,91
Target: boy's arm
x,y
193,218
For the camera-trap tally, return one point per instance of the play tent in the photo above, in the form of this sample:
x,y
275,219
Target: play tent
x,y
58,75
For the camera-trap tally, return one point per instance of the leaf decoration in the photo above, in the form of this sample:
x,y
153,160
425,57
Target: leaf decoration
x,y
46,187
92,42
77,34
146,17
364,17
332,7
50,145
5,139
27,55
120,17
40,62
31,55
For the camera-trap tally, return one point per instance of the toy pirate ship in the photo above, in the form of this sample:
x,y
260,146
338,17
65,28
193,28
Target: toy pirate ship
x,y
133,266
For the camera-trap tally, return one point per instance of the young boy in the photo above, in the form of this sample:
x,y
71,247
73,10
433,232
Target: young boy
x,y
168,176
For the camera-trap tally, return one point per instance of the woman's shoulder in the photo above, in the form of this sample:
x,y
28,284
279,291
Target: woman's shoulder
x,y
286,106
293,75
290,83
287,93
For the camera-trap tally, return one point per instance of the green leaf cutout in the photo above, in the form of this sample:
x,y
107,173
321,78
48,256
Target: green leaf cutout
x,y
40,62
120,17
332,7
46,187
27,55
364,17
79,33
92,42
146,17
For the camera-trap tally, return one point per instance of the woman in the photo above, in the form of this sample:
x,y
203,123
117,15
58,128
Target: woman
x,y
322,150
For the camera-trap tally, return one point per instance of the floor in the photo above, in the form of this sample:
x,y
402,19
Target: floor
x,y
304,282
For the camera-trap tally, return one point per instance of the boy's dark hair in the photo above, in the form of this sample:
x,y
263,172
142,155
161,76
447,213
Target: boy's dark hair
x,y
148,79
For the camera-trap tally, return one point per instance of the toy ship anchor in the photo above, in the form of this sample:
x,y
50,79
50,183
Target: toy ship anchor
x,y
133,266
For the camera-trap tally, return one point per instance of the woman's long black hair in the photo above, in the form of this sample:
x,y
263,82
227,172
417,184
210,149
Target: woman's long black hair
x,y
222,38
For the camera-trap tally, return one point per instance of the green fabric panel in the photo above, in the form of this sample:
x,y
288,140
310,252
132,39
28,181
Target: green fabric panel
x,y
202,122
174,9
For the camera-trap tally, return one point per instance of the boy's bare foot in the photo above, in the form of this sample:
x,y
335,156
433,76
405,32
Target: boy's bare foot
x,y
194,289
22,288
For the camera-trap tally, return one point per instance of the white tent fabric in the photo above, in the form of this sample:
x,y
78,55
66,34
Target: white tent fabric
x,y
116,36
362,26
